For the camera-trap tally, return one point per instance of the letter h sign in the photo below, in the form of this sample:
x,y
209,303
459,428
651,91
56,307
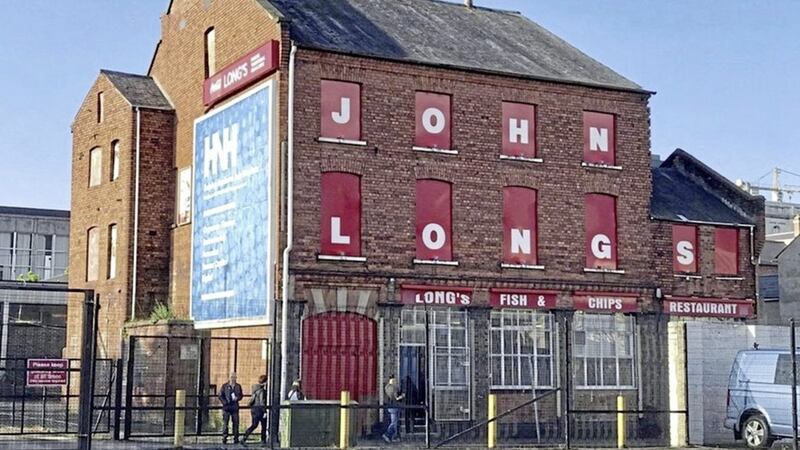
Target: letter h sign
x,y
599,138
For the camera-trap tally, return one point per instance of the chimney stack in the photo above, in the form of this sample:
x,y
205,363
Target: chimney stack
x,y
468,3
796,223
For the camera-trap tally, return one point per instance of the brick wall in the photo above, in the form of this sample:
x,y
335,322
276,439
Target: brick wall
x,y
389,168
100,206
708,285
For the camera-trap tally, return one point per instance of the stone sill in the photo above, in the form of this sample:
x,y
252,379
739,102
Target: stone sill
x,y
342,141
521,158
444,151
614,271
341,258
600,166
434,262
522,266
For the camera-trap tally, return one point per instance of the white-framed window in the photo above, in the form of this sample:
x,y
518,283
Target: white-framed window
x,y
112,251
210,43
114,160
95,166
604,353
451,365
92,254
521,349
184,196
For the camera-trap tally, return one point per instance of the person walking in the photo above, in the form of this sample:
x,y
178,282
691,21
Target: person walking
x,y
230,395
393,397
295,393
258,410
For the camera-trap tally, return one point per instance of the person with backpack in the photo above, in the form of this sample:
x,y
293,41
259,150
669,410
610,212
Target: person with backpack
x,y
258,410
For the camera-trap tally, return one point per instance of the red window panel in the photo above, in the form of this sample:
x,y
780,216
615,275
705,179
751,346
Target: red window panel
x,y
601,231
433,120
519,130
434,221
341,110
519,225
726,251
685,251
599,138
340,214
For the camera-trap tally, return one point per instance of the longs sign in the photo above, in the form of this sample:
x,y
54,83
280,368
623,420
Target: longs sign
x,y
708,307
242,73
436,296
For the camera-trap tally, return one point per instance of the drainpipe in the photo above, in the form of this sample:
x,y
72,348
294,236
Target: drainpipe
x,y
136,212
289,224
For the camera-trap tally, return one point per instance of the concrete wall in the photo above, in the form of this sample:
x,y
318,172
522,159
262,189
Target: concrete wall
x,y
789,273
711,348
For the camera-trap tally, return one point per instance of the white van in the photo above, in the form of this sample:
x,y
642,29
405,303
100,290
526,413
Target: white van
x,y
760,397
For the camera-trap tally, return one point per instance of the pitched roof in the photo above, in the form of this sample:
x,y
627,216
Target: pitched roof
x,y
443,34
685,189
770,251
139,90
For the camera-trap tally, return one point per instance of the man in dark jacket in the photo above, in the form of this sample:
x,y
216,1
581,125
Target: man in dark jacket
x,y
258,409
230,395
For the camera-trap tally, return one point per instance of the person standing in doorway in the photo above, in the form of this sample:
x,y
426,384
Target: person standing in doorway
x,y
230,395
392,398
258,410
295,393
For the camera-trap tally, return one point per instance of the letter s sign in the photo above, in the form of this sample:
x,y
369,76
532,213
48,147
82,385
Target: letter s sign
x,y
684,248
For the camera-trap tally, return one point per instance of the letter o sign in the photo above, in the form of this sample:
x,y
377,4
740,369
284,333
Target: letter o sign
x,y
431,231
433,120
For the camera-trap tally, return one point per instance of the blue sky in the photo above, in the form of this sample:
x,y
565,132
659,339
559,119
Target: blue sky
x,y
726,73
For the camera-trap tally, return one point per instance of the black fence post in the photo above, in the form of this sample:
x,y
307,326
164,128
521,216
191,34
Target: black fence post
x,y
87,372
201,391
793,339
117,398
129,387
567,384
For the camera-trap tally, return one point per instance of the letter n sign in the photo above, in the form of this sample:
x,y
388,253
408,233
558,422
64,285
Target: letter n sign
x,y
432,120
519,130
684,248
599,138
341,110
434,238
601,231
340,214
519,225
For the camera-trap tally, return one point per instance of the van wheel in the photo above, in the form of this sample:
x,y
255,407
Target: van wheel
x,y
755,432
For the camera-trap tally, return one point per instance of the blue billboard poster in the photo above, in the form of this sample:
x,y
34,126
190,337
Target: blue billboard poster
x,y
231,232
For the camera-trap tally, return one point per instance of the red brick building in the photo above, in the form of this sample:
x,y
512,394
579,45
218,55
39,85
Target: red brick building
x,y
466,192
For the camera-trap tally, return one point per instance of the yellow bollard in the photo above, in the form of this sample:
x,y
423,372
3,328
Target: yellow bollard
x,y
620,422
180,415
344,421
492,435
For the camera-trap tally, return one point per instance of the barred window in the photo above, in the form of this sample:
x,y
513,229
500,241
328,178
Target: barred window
x,y
604,351
451,374
521,349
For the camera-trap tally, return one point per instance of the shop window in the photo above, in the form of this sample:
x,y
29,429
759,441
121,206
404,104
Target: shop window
x,y
601,231
726,251
521,349
599,138
434,221
92,254
519,226
114,160
340,214
112,251
340,110
433,122
95,166
210,47
519,130
451,365
604,351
